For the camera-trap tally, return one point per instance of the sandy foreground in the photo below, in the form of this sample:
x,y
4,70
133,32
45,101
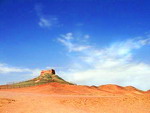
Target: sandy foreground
x,y
56,98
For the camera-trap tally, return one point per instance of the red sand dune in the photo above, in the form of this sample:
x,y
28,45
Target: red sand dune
x,y
65,89
63,98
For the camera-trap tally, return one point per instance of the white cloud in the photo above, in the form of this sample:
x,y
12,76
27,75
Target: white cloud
x,y
68,36
67,40
112,64
6,69
45,20
44,23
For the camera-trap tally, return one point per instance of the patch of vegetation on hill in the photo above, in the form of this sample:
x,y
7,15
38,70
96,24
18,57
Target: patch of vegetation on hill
x,y
42,79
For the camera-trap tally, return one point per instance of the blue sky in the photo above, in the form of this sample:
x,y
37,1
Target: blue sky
x,y
89,42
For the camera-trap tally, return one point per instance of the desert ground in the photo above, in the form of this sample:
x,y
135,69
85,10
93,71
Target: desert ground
x,y
64,98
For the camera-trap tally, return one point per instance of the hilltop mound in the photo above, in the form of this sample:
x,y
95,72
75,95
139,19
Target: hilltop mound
x,y
49,76
46,76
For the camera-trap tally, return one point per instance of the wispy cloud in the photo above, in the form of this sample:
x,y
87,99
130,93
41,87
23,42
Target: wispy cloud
x,y
45,20
112,64
6,69
67,39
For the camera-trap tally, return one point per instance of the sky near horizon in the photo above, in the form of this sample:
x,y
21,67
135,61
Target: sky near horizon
x,y
91,42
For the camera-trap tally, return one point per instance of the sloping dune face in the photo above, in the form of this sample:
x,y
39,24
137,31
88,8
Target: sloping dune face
x,y
64,98
66,89
58,88
120,90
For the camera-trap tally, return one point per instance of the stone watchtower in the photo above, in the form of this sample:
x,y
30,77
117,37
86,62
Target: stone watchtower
x,y
51,71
